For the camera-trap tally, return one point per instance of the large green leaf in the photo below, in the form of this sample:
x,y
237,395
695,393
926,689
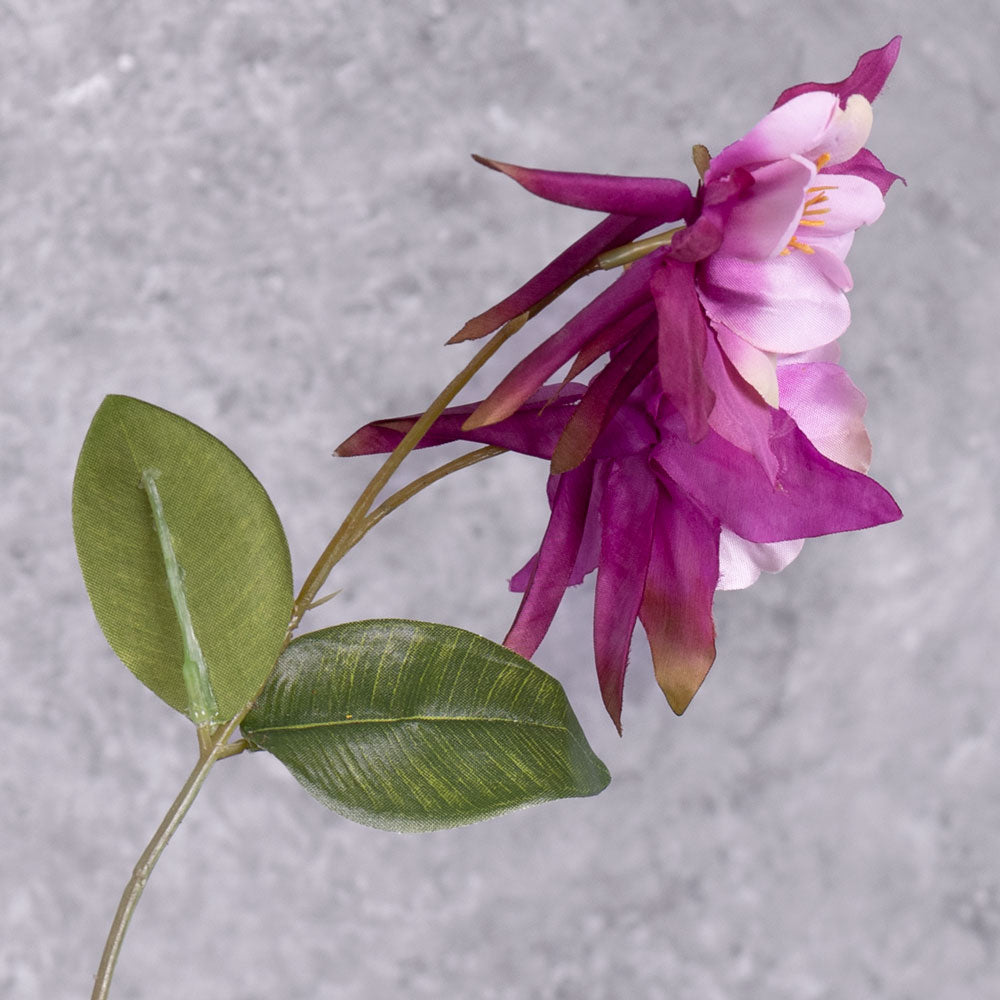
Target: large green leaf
x,y
229,544
411,726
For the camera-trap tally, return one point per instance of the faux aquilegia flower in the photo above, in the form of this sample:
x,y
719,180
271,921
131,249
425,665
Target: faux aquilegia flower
x,y
721,431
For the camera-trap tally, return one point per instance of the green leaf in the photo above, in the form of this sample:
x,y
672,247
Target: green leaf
x,y
412,726
231,553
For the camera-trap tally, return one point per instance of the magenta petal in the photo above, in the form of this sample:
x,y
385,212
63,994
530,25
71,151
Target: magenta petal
x,y
556,559
615,230
676,609
610,337
867,165
813,495
611,305
533,430
606,393
627,515
659,196
521,580
683,337
868,77
699,240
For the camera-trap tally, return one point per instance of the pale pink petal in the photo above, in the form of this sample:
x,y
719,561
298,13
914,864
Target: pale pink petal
x,y
755,366
831,266
828,352
785,304
849,203
741,562
848,132
761,224
829,409
792,128
740,415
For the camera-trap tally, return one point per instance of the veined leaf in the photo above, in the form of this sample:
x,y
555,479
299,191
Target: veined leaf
x,y
229,546
413,726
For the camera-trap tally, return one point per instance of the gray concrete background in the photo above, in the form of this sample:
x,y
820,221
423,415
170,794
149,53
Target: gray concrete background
x,y
264,216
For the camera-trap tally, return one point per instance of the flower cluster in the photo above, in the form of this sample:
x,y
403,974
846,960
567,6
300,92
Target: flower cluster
x,y
721,431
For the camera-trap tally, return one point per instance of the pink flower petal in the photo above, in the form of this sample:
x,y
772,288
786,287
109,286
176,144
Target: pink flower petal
x,y
829,409
655,196
868,77
813,495
785,304
556,558
627,517
847,134
756,367
852,202
793,128
607,392
683,338
761,224
533,430
868,166
610,337
740,416
676,609
741,562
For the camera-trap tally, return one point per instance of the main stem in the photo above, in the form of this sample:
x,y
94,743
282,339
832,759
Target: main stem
x,y
214,751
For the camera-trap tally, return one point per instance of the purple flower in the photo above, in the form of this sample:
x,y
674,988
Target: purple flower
x,y
756,273
665,520
720,432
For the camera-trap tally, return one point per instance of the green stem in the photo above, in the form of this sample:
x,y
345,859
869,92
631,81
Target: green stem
x,y
218,748
421,483
352,530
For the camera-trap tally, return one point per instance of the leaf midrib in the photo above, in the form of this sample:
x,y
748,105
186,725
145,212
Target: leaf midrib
x,y
479,720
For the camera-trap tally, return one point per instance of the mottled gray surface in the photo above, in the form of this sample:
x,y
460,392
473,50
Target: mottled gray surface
x,y
263,216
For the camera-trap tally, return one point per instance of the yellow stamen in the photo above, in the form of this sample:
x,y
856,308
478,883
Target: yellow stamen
x,y
823,160
797,245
